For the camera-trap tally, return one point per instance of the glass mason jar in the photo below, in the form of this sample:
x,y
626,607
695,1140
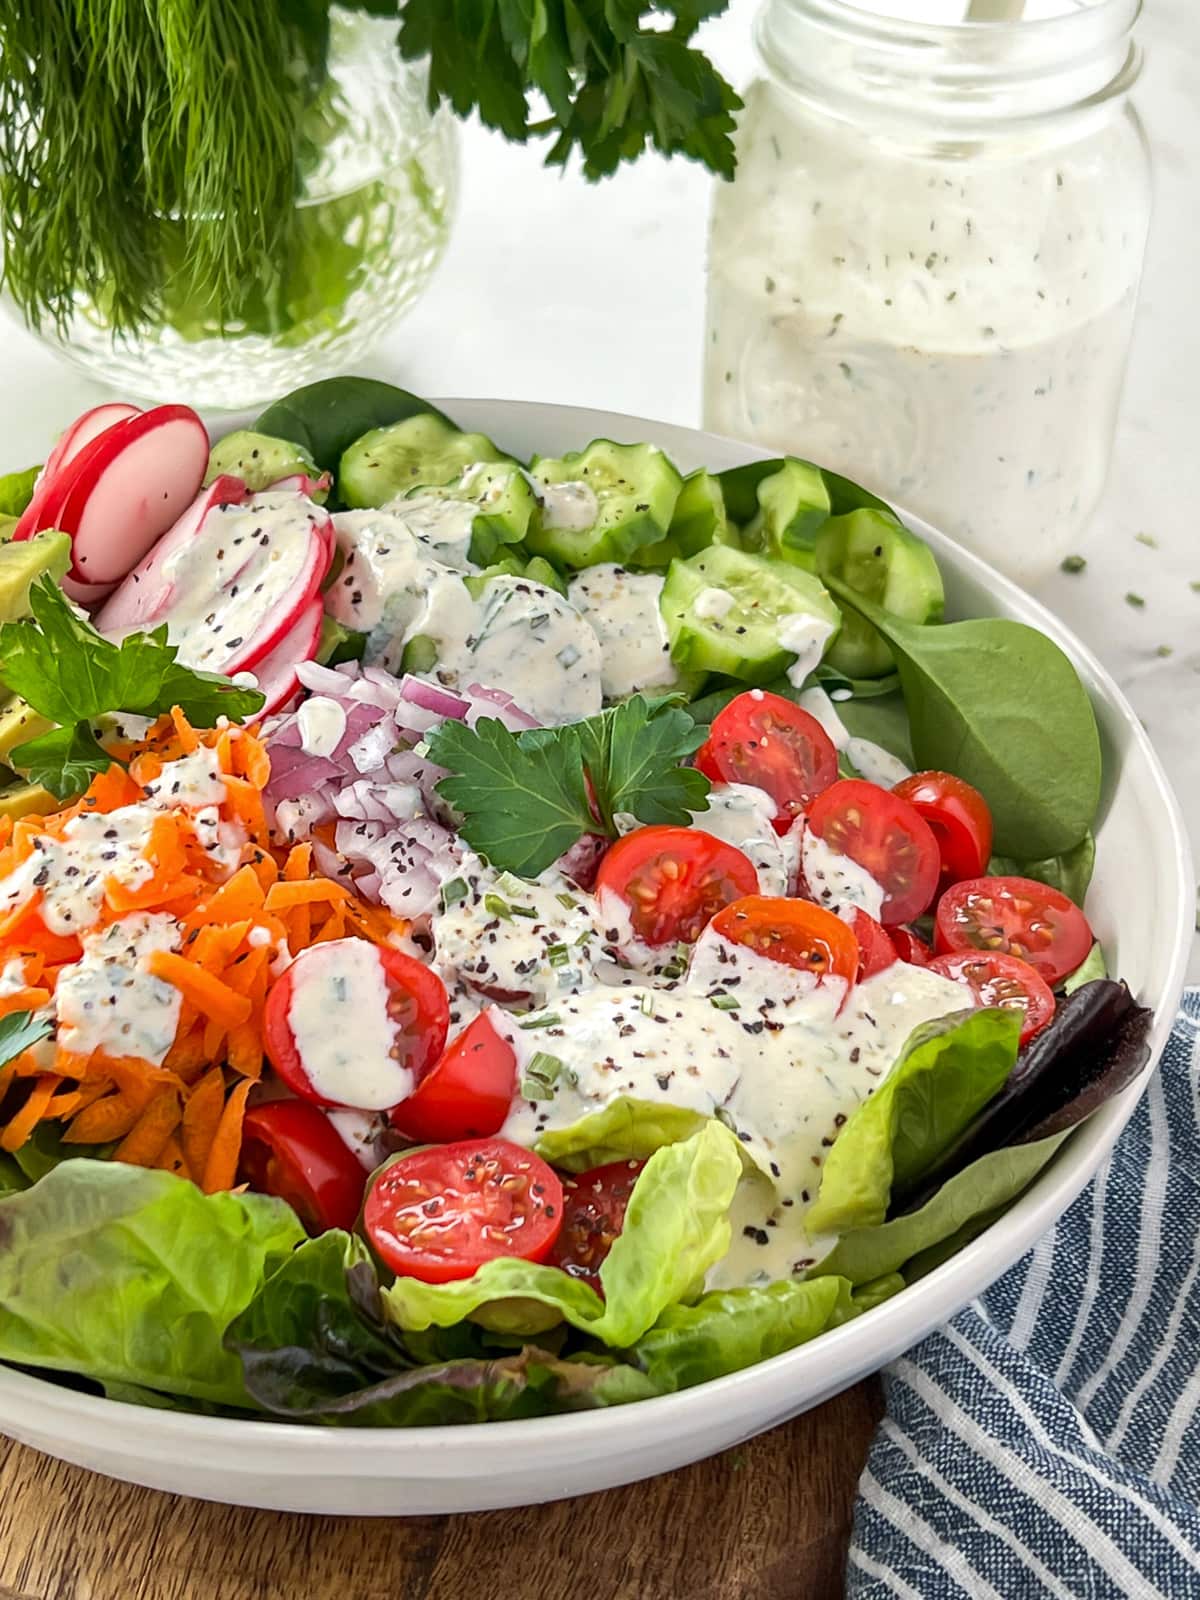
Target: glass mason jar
x,y
375,198
925,271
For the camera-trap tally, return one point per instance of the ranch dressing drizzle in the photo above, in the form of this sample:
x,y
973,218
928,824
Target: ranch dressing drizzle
x,y
241,561
344,1033
623,610
836,881
109,1000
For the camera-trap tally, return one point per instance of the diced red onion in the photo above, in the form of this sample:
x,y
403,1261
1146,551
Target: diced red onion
x,y
432,697
499,704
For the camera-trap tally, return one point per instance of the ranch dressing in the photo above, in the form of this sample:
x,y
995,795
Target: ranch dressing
x,y
931,290
344,1033
623,610
110,1001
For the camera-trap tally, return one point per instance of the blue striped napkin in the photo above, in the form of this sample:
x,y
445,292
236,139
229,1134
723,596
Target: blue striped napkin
x,y
1047,1442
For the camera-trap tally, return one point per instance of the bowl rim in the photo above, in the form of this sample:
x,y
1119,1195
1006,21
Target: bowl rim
x,y
857,1347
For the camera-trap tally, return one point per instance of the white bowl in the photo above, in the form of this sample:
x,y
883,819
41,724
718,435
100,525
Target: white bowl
x,y
1141,904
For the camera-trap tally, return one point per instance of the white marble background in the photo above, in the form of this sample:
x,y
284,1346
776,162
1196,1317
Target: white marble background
x,y
555,290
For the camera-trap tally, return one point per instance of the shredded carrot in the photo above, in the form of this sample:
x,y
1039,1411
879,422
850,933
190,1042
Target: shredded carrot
x,y
103,1121
27,1118
202,1118
111,789
189,739
23,1000
299,863
209,995
172,1159
283,896
143,1144
245,802
186,1057
220,1170
238,898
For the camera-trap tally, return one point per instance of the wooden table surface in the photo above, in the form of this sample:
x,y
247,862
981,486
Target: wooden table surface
x,y
767,1521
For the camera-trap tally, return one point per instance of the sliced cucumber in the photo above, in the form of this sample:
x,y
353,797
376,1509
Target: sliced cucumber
x,y
792,505
416,453
602,503
540,571
259,461
510,565
699,521
501,491
420,654
339,643
876,555
733,612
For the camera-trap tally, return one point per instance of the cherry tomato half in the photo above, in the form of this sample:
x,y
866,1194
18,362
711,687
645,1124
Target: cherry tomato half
x,y
674,880
909,947
594,1205
1014,917
876,952
959,817
466,1094
999,980
796,933
763,739
440,1212
885,835
292,1150
417,1008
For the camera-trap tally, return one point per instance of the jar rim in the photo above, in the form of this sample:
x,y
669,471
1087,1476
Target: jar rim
x,y
968,73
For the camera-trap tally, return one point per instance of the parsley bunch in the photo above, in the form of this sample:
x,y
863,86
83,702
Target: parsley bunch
x,y
524,798
612,83
65,671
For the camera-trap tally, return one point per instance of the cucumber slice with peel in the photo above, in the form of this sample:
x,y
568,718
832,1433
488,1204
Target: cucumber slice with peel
x,y
745,616
875,554
793,503
602,504
419,452
505,503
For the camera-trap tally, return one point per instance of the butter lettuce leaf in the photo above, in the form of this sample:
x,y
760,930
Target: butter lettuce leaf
x,y
131,1276
980,1190
676,1227
949,1070
624,1130
733,1328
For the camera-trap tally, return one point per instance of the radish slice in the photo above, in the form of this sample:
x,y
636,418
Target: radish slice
x,y
132,483
86,594
146,596
230,580
83,430
276,673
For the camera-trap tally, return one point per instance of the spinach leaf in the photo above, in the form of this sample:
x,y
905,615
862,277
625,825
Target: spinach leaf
x,y
999,704
45,1149
328,416
981,1189
12,1178
828,677
1070,873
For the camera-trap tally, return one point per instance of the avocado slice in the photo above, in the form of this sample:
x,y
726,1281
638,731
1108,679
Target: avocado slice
x,y
21,564
27,800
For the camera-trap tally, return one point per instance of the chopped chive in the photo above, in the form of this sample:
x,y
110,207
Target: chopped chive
x,y
535,1089
725,1002
566,900
1073,563
1165,650
523,911
1136,600
647,1004
550,1020
453,892
1147,539
558,955
497,906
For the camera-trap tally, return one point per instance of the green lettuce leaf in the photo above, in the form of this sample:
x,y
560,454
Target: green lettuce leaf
x,y
1070,873
733,1328
16,491
949,1070
869,1295
315,1347
624,1130
132,1276
1093,966
44,1150
12,1178
675,1228
983,1188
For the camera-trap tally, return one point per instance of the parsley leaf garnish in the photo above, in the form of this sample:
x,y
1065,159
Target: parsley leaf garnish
x,y
19,1030
613,82
524,798
64,670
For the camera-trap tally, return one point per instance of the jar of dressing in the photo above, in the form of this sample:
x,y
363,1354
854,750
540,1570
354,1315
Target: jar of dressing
x,y
925,271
